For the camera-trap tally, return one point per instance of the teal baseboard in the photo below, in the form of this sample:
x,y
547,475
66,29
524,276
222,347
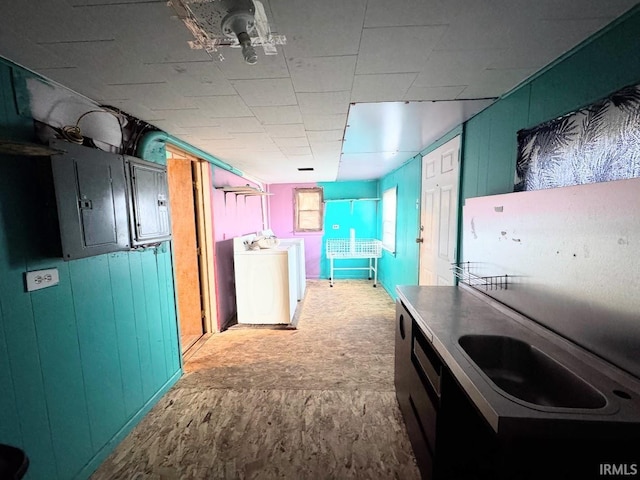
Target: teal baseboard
x,y
105,451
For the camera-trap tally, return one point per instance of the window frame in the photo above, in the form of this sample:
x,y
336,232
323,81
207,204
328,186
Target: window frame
x,y
296,210
388,235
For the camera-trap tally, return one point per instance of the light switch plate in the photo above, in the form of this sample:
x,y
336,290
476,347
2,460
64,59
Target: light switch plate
x,y
41,279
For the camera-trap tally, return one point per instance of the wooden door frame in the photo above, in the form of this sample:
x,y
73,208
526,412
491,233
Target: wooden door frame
x,y
204,228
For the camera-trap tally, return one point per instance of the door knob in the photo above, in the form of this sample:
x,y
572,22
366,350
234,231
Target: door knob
x,y
419,240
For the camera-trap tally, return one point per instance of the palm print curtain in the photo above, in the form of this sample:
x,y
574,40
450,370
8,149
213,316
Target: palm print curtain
x,y
599,143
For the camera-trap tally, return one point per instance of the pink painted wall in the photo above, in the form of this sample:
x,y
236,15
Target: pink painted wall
x,y
237,215
281,222
231,218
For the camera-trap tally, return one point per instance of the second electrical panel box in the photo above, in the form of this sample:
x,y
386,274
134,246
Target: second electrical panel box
x,y
149,201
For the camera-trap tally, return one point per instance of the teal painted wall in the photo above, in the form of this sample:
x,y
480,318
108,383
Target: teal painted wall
x,y
361,215
605,63
80,362
401,268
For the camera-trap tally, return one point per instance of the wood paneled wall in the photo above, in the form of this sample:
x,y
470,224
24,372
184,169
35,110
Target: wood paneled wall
x,y
80,362
401,268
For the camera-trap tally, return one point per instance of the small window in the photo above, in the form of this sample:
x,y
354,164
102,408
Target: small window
x,y
308,209
389,219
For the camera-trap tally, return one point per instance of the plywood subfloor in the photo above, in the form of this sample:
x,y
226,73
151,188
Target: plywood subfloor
x,y
316,402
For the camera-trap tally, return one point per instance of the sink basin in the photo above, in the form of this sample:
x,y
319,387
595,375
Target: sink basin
x,y
527,373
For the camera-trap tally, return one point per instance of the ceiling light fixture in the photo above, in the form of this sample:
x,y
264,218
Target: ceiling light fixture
x,y
238,22
234,23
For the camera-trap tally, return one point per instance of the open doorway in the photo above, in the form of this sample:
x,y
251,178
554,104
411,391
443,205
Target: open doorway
x,y
190,201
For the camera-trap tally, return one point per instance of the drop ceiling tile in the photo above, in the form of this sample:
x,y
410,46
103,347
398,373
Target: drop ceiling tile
x,y
234,67
455,67
296,150
133,73
208,133
319,29
53,21
256,141
434,93
322,74
216,145
486,24
220,106
166,125
151,31
195,79
335,121
399,13
291,142
241,125
105,57
493,83
81,81
397,49
545,40
326,149
381,87
301,160
279,115
27,53
153,96
285,131
190,117
328,103
265,93
326,136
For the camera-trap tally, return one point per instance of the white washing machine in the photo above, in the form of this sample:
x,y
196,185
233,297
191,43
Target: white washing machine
x,y
266,282
301,269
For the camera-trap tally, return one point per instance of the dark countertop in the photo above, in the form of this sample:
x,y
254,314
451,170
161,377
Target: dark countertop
x,y
444,314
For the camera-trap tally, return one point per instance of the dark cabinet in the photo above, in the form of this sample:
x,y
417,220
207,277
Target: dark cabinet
x,y
449,439
108,202
418,402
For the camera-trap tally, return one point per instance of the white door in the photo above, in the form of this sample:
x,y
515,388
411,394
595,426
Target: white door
x,y
439,214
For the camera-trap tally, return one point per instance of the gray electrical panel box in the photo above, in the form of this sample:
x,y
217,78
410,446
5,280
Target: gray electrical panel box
x,y
91,194
148,201
108,202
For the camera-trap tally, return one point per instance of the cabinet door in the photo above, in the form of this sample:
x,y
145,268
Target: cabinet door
x,y
149,205
91,199
412,398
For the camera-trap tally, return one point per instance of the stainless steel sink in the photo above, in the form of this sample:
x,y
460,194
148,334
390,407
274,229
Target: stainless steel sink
x,y
527,373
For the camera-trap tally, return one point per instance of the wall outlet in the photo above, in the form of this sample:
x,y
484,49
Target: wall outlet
x,y
336,227
41,279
